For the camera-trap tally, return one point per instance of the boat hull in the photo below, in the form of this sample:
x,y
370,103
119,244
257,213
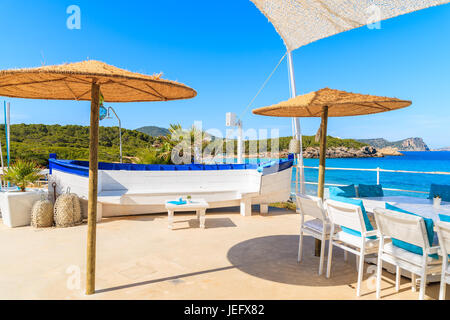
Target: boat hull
x,y
132,192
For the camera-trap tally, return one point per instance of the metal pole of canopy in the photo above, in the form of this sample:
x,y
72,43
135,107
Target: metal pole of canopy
x,y
6,132
297,130
120,131
8,121
3,165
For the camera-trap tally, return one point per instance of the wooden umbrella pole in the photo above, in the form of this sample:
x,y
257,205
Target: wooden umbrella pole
x,y
93,187
323,156
323,152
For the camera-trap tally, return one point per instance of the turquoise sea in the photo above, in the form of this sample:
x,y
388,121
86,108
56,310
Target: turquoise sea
x,y
431,161
426,161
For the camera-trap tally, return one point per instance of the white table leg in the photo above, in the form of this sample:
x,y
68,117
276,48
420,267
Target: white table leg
x,y
170,218
202,218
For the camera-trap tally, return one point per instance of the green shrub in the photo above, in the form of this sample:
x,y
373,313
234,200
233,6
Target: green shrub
x,y
22,173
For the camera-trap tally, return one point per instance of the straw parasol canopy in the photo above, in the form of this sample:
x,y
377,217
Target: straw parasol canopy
x,y
72,81
326,103
90,80
340,104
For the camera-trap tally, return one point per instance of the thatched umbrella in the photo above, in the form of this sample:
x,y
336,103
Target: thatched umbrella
x,y
88,80
326,103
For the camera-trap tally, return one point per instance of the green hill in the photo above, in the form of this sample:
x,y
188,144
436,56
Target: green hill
x,y
153,131
36,141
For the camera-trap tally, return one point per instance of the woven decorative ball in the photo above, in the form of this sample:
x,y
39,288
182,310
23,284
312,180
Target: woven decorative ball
x,y
42,214
67,211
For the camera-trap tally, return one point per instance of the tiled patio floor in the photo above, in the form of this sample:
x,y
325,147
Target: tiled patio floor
x,y
138,257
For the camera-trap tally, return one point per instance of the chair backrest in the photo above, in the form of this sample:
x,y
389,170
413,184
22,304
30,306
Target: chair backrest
x,y
402,226
311,206
346,215
443,231
441,190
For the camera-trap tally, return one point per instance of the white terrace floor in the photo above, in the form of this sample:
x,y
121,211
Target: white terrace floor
x,y
138,257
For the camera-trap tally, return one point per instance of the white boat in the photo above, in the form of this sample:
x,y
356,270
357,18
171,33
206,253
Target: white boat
x,y
131,189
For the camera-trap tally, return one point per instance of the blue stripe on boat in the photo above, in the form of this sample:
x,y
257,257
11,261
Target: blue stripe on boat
x,y
81,168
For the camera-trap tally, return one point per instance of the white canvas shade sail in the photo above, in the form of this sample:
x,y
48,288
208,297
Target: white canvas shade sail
x,y
300,22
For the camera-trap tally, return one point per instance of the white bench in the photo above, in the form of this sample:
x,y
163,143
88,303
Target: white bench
x,y
137,197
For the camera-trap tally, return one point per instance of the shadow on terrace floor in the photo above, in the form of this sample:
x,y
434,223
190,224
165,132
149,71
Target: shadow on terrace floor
x,y
274,258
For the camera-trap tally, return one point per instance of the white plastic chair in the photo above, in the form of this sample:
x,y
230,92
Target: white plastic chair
x,y
411,229
443,231
319,228
350,216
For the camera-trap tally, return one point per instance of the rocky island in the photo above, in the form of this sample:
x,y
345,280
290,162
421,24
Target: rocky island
x,y
409,144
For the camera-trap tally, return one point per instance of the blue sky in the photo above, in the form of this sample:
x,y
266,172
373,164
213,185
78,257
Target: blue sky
x,y
225,50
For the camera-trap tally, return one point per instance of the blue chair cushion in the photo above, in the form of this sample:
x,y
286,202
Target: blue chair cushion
x,y
429,224
441,190
359,203
347,191
366,190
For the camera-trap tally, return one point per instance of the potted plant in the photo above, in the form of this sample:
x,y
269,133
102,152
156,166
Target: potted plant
x,y
437,201
16,204
189,199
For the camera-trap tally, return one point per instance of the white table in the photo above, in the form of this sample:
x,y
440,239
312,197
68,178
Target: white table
x,y
420,206
197,205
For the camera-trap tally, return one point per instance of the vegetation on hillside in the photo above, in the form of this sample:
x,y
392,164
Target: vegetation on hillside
x,y
37,141
153,131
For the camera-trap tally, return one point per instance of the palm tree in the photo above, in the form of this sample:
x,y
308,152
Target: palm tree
x,y
179,139
23,173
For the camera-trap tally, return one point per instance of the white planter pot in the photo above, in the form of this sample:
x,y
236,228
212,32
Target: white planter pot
x,y
16,206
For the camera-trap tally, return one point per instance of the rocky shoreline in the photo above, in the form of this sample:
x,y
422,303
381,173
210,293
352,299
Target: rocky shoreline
x,y
340,152
344,152
332,153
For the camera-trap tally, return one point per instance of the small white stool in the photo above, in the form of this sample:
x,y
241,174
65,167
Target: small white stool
x,y
197,205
